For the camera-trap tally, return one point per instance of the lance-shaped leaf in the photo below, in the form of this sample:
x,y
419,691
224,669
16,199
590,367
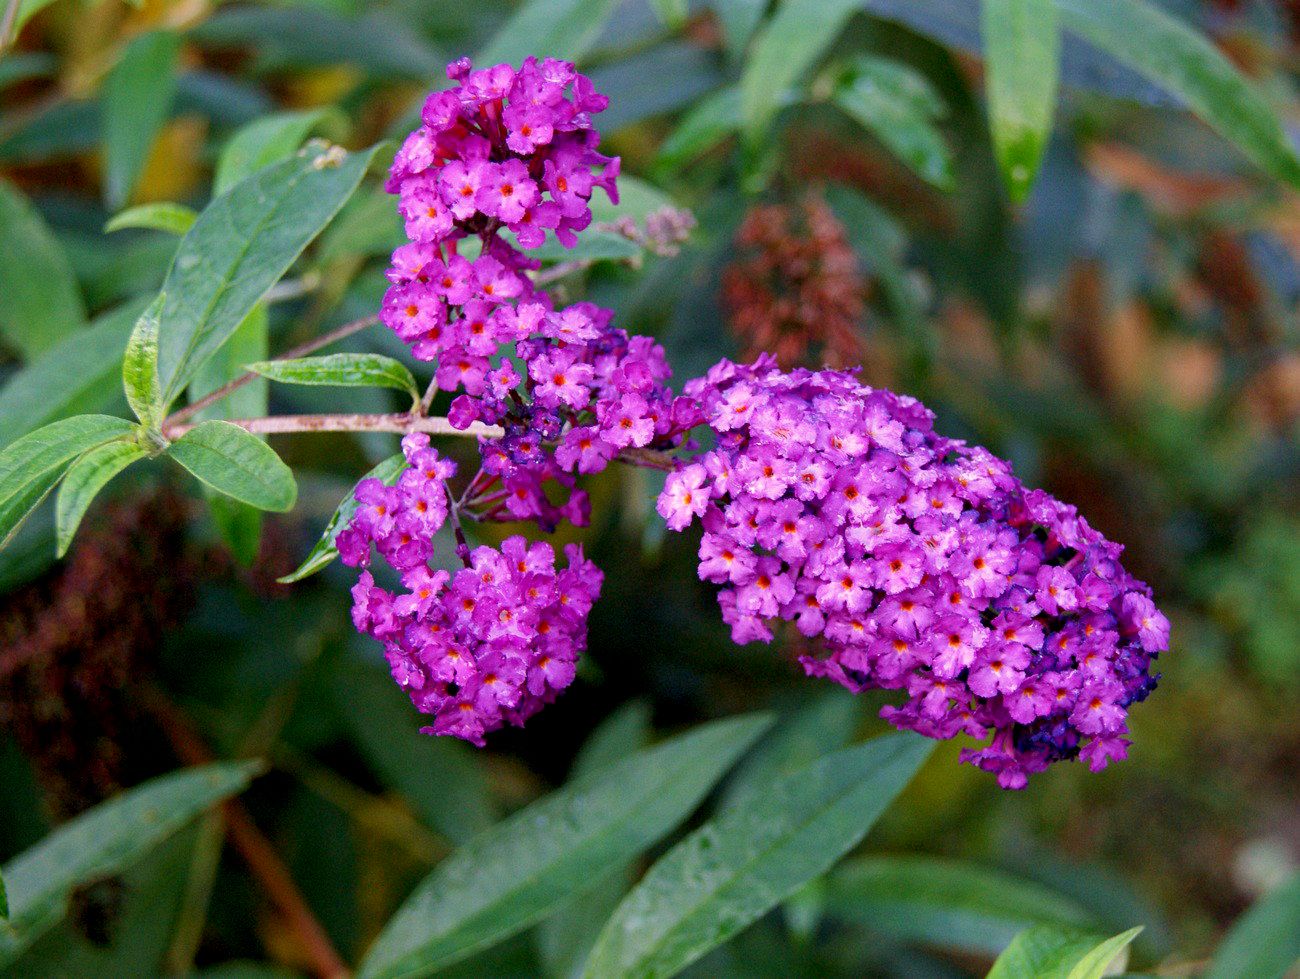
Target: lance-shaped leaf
x,y
1022,51
82,373
748,859
324,553
1266,941
140,367
138,95
239,247
234,462
549,29
239,524
945,903
348,370
85,478
166,216
796,36
264,141
33,465
1052,952
1164,49
899,107
527,866
40,302
104,841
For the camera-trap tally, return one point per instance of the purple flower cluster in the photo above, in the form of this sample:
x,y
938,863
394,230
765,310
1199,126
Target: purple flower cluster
x,y
921,562
512,150
489,645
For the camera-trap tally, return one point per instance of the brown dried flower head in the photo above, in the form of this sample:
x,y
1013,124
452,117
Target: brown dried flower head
x,y
795,289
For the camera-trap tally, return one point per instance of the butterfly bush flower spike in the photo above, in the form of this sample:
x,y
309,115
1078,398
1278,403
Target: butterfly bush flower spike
x,y
922,565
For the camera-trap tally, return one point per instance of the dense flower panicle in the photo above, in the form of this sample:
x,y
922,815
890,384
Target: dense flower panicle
x,y
796,290
921,562
488,645
514,150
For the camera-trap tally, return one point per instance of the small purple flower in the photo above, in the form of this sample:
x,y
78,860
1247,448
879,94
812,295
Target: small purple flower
x,y
920,563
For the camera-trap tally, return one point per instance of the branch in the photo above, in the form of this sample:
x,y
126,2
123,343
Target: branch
x,y
396,422
399,422
311,346
263,862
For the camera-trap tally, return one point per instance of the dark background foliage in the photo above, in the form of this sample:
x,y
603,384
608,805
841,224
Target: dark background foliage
x,y
1127,337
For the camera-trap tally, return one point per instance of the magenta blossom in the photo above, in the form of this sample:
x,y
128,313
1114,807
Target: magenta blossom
x,y
921,563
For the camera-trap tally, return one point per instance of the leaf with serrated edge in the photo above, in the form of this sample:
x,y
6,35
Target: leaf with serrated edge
x,y
85,478
324,553
104,841
140,367
232,461
525,867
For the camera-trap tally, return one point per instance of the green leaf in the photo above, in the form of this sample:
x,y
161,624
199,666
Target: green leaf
x,y
232,461
264,141
439,777
671,13
138,95
824,725
1265,942
4,900
239,524
945,903
791,43
1022,51
175,219
565,939
341,370
1052,952
899,107
31,466
713,119
82,373
40,303
619,735
549,29
1097,962
738,20
324,553
104,841
746,860
527,866
85,478
239,247
1167,51
140,367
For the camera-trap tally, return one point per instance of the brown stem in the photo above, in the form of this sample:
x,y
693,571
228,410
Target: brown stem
x,y
402,422
396,422
311,346
263,862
